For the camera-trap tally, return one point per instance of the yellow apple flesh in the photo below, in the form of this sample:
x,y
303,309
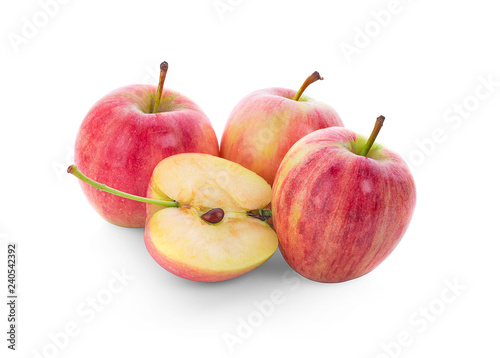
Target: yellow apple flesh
x,y
183,243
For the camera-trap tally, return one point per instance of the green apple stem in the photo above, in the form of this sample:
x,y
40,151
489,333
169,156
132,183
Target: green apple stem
x,y
311,79
72,169
212,216
368,145
159,91
265,212
261,214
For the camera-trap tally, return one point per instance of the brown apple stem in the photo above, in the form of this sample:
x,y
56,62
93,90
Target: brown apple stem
x,y
159,91
213,216
311,79
72,169
368,145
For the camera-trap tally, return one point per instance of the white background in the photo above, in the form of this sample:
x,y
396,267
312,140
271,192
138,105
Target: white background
x,y
422,69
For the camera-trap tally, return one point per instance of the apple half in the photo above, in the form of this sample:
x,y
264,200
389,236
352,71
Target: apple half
x,y
217,231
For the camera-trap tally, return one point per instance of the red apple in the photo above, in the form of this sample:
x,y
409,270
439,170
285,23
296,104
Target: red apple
x,y
266,123
340,205
127,133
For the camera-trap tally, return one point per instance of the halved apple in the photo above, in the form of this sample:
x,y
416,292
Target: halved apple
x,y
217,246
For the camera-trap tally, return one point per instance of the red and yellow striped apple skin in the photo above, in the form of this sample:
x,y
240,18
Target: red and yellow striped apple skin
x,y
265,124
119,144
338,215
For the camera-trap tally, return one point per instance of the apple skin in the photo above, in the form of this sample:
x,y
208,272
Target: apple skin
x,y
337,214
119,143
266,123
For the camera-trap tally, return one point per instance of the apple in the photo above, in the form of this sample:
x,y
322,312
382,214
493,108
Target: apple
x,y
266,123
127,133
341,204
206,220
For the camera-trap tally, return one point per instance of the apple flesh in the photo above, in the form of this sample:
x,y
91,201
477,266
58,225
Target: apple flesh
x,y
339,214
266,123
181,239
120,142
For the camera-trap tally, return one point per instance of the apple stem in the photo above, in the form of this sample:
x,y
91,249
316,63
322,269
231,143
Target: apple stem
x,y
368,145
72,169
311,79
159,91
261,214
212,216
265,212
